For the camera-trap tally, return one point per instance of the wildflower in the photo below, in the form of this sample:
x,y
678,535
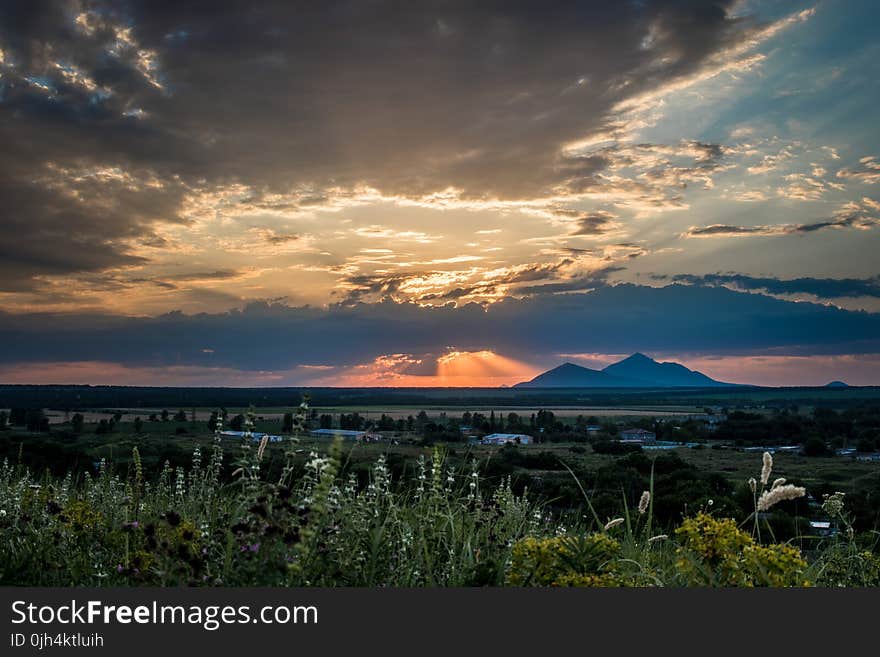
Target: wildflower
x,y
779,494
710,502
778,482
2,513
262,447
833,504
753,484
643,502
766,469
659,537
613,523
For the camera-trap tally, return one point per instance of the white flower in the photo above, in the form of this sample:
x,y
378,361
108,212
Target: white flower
x,y
766,469
2,513
779,494
644,501
833,504
613,523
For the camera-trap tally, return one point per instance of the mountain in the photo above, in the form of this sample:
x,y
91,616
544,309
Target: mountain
x,y
637,371
641,368
837,384
569,375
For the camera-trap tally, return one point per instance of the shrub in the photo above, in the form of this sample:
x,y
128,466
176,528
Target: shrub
x,y
715,552
587,560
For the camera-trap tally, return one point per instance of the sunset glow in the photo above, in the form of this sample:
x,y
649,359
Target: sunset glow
x,y
189,200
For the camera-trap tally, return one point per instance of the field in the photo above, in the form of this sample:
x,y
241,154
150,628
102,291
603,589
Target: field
x,y
126,500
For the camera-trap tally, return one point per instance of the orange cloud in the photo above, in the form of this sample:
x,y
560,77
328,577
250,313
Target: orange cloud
x,y
466,369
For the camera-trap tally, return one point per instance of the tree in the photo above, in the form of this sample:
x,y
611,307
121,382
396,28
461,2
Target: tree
x,y
815,446
117,417
212,422
287,423
4,420
180,416
18,417
36,420
164,414
326,421
77,422
154,417
138,425
237,422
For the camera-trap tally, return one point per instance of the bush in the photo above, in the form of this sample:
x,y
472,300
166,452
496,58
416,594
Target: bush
x,y
565,561
715,552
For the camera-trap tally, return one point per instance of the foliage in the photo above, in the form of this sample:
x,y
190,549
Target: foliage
x,y
715,552
263,514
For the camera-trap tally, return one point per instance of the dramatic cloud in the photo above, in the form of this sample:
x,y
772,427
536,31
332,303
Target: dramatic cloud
x,y
610,319
278,107
861,216
825,288
398,179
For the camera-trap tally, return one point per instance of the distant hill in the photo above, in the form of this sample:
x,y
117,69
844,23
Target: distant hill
x,y
569,375
637,371
641,368
837,384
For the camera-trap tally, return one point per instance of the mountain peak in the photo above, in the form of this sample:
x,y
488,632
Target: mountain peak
x,y
636,371
640,367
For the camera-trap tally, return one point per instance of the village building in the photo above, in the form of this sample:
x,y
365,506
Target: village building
x,y
637,436
507,438
256,436
348,434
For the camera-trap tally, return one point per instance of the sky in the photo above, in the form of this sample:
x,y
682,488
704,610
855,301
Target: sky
x,y
449,193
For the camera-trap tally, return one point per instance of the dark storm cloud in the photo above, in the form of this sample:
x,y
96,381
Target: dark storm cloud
x,y
407,97
861,216
825,288
611,319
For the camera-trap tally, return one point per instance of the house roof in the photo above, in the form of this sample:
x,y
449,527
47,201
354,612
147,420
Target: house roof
x,y
338,432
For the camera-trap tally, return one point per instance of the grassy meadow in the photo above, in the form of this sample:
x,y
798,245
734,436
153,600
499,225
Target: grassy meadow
x,y
172,503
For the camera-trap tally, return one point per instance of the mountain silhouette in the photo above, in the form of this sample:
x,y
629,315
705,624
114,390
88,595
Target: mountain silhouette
x,y
569,375
636,371
641,368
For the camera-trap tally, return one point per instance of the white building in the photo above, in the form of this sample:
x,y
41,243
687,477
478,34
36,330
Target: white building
x,y
256,436
349,434
505,438
637,435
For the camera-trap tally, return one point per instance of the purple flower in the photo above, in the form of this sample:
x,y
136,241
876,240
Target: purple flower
x,y
119,568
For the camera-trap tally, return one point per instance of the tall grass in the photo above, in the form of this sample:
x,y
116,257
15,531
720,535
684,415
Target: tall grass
x,y
190,526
